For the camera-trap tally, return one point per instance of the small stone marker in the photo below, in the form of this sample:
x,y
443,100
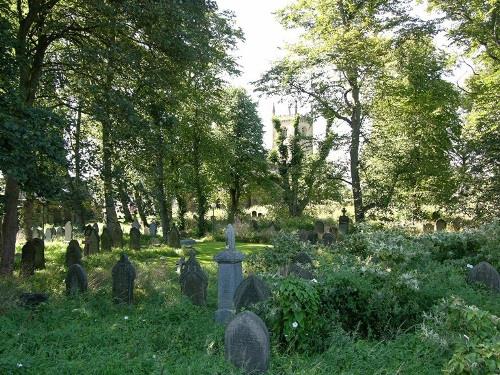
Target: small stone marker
x,y
303,235
486,274
173,239
188,242
246,343
123,281
48,234
106,241
194,281
68,231
440,225
251,290
312,237
319,227
135,238
228,278
344,223
73,253
153,227
39,246
428,228
76,280
328,239
28,259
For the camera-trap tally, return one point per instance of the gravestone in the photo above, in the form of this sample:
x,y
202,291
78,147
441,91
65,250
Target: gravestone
x,y
173,239
254,214
136,225
116,235
106,241
193,281
95,226
251,290
456,224
344,223
440,225
328,239
135,238
28,259
428,228
260,214
246,343
59,232
68,231
319,227
76,280
123,280
146,231
312,237
39,246
91,241
303,235
229,276
486,274
300,271
73,253
48,234
153,227
302,258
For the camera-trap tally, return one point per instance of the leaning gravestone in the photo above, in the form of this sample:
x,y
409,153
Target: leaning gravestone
x,y
250,291
486,274
440,225
173,239
106,241
328,239
73,253
28,259
68,231
48,234
135,239
319,228
246,343
76,280
428,228
229,277
344,223
193,281
123,281
39,253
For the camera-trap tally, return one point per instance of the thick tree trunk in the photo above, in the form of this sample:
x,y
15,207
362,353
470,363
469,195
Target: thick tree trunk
x,y
354,156
28,218
78,193
9,226
140,207
201,198
181,202
124,200
234,193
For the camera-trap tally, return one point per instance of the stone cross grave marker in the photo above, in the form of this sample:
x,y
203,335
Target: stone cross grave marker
x,y
344,223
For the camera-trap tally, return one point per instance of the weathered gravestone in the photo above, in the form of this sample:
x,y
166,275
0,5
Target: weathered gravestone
x,y
73,253
68,231
251,290
106,241
123,281
173,239
440,225
59,232
486,274
91,241
76,280
228,278
344,223
303,235
28,259
135,238
48,234
428,228
39,253
312,237
328,239
193,281
319,228
153,227
254,214
300,271
246,343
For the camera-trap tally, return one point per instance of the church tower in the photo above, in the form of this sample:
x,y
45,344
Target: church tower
x,y
305,129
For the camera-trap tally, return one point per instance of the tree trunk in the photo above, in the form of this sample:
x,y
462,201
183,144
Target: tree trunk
x,y
124,200
181,202
359,213
28,218
78,191
140,208
200,193
9,226
161,196
234,193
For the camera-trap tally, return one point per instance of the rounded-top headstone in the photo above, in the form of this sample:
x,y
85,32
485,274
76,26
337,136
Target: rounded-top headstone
x,y
73,253
123,273
173,238
319,227
76,280
39,246
440,225
250,291
135,238
28,259
246,343
486,274
303,258
106,241
303,235
194,281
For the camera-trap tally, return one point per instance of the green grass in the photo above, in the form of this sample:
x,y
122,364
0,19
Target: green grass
x,y
162,333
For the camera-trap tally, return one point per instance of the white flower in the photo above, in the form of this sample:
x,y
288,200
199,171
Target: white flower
x,y
470,266
466,337
19,365
314,281
125,317
295,324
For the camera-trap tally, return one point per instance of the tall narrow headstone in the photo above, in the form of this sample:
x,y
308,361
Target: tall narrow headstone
x,y
28,259
123,281
106,241
39,246
76,280
73,253
229,277
344,223
246,343
59,232
153,227
440,225
48,234
91,241
250,291
194,281
135,239
68,231
173,238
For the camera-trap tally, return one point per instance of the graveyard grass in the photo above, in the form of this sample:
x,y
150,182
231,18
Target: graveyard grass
x,y
162,333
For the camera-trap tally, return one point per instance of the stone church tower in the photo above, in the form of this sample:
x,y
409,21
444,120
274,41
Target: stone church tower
x,y
305,129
